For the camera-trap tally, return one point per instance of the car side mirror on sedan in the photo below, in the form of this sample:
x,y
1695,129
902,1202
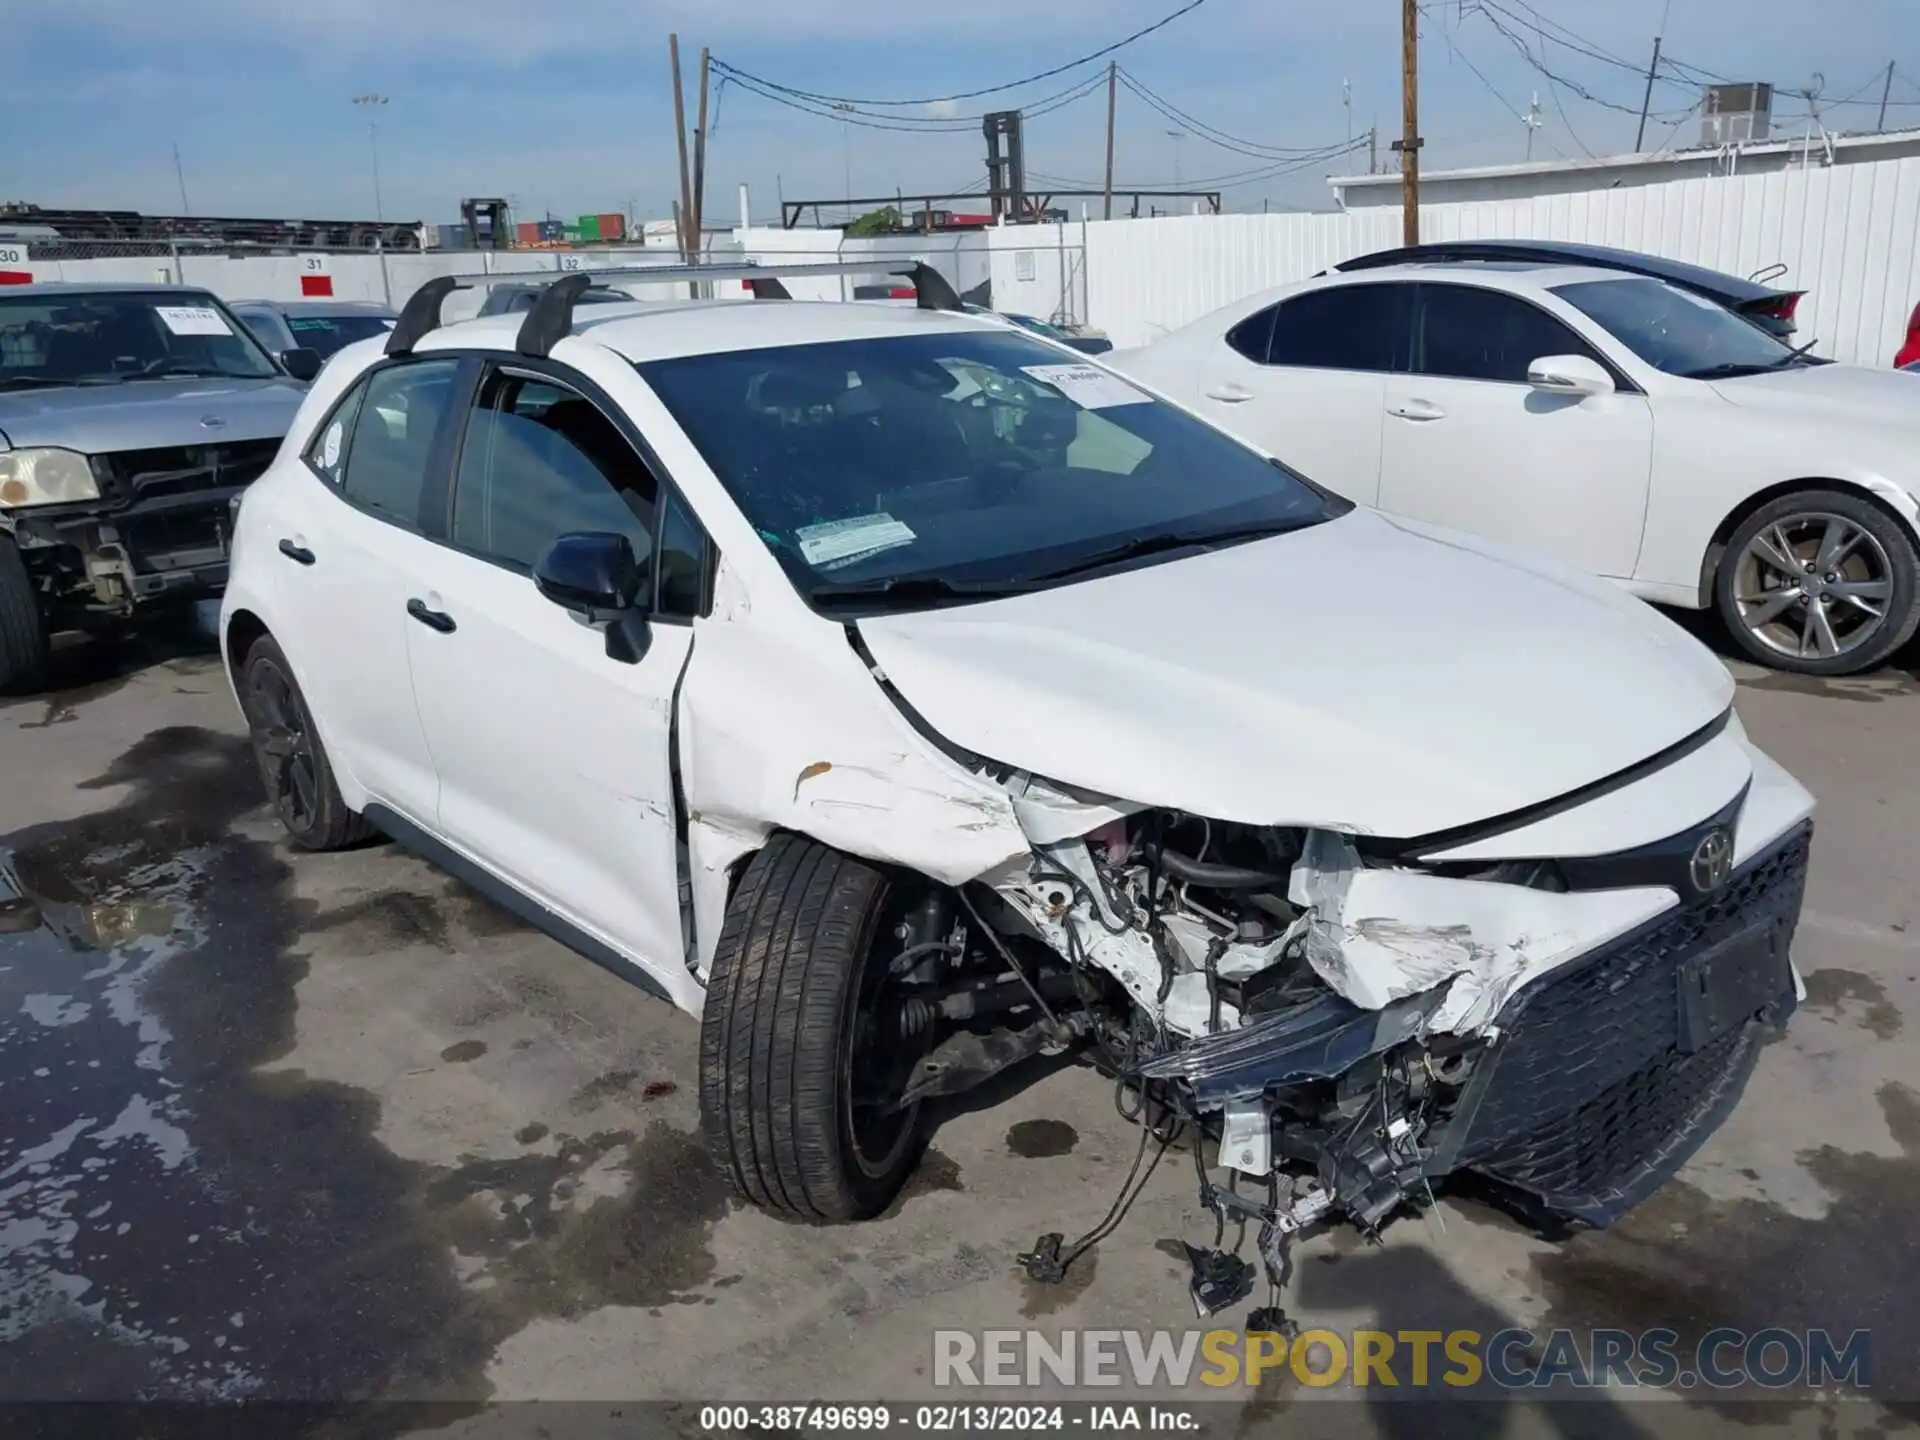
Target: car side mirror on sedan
x,y
596,575
1569,375
300,362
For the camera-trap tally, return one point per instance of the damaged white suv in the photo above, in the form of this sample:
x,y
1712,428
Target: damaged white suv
x,y
905,696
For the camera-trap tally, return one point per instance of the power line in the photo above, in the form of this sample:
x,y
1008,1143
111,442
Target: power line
x,y
1099,54
1218,182
1485,10
1253,149
917,125
1493,89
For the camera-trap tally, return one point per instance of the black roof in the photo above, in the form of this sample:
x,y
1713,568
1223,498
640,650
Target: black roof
x,y
1730,289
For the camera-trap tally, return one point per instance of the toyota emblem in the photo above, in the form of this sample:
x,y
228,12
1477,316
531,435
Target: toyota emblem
x,y
1712,861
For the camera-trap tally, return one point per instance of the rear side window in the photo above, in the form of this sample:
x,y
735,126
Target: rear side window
x,y
1343,327
1473,334
398,413
541,461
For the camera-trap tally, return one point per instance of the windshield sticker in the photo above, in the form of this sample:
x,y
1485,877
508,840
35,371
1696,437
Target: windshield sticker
x,y
192,320
310,324
833,544
330,447
1088,386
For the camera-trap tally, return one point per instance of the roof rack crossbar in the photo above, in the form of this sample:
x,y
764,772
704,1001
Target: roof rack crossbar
x,y
421,314
551,317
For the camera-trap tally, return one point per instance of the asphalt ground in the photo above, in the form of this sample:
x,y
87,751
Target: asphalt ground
x,y
327,1129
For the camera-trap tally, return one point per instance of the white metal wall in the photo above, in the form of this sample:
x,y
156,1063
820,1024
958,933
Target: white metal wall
x,y
1849,235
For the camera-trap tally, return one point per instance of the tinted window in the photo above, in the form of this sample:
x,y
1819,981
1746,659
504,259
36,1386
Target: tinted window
x,y
1345,327
1675,330
386,466
683,561
541,461
1473,334
976,455
1250,336
330,333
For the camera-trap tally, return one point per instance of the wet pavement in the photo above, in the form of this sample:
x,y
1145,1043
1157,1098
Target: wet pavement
x,y
329,1128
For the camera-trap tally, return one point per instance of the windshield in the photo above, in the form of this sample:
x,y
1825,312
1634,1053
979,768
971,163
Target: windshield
x,y
107,339
971,460
1676,331
328,333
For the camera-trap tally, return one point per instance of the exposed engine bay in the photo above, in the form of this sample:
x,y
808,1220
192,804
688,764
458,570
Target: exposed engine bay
x,y
1324,1011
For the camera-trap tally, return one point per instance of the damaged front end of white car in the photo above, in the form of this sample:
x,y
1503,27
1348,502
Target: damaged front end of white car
x,y
1356,1020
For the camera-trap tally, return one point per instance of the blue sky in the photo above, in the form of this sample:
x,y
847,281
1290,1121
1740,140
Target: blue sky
x,y
567,108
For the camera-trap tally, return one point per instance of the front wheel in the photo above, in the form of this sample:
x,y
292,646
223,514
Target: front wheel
x,y
799,1067
23,631
1819,583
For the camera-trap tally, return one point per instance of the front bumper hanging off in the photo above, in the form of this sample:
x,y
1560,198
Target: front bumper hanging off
x,y
1599,1079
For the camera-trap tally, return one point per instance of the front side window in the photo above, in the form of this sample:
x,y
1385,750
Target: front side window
x,y
1468,333
108,338
1677,331
398,414
541,461
968,458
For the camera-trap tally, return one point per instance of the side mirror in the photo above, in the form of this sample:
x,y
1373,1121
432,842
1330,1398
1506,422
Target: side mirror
x,y
300,362
596,575
1569,375
1090,344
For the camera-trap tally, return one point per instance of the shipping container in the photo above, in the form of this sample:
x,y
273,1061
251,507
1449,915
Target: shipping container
x,y
587,227
552,229
613,226
452,237
527,232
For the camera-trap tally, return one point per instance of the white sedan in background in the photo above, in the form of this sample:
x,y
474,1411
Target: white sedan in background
x,y
1614,422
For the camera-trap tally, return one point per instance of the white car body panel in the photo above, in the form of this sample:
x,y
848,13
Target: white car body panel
x,y
1686,455
1259,683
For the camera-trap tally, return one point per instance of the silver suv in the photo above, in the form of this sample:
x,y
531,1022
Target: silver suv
x,y
130,417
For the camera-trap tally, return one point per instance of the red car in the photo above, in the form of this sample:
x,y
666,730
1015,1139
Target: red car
x,y
1910,351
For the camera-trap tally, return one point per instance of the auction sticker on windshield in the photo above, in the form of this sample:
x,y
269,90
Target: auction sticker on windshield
x,y
1088,386
192,320
834,543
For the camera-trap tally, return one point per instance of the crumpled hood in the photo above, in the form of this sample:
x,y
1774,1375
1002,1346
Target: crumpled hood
x,y
1366,675
150,414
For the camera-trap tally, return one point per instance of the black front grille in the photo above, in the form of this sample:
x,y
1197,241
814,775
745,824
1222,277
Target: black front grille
x,y
1592,1097
183,469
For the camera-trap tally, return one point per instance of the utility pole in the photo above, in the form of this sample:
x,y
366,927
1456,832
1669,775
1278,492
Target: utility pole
x,y
180,174
1881,124
1646,100
1409,142
1106,210
700,162
684,212
1373,149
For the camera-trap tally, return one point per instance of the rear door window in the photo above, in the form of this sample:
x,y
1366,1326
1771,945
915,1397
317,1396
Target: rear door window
x,y
386,457
1343,327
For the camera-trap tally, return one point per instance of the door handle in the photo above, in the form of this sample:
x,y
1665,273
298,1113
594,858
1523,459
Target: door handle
x,y
299,554
1416,410
1231,393
432,619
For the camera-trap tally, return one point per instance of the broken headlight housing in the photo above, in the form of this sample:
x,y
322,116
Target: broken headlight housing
x,y
45,476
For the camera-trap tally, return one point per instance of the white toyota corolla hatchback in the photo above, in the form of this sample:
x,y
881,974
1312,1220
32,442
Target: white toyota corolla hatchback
x,y
1614,422
904,697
